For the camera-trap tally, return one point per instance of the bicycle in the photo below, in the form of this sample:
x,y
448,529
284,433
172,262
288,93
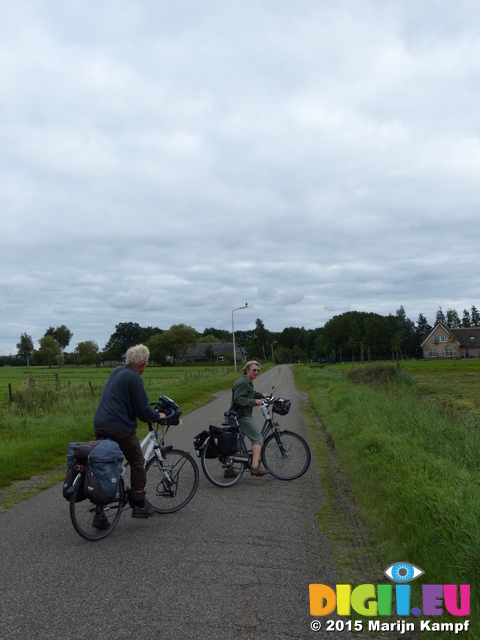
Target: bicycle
x,y
284,453
172,480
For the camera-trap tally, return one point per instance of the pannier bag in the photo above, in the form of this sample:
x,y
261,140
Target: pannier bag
x,y
219,442
166,405
223,441
200,441
78,453
282,406
203,440
103,466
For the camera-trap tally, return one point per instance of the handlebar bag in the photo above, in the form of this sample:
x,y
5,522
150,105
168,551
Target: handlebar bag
x,y
282,406
169,407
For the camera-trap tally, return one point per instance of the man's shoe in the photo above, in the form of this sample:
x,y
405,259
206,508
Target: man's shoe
x,y
142,512
258,471
230,473
100,521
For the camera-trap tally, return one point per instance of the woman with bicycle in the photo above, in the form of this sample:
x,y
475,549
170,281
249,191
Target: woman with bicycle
x,y
244,399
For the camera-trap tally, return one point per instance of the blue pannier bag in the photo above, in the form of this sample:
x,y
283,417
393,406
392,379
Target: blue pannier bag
x,y
78,453
102,460
103,471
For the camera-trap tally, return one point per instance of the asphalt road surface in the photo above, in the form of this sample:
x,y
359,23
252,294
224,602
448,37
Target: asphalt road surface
x,y
234,563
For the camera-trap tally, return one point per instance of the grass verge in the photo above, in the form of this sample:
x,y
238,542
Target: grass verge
x,y
413,470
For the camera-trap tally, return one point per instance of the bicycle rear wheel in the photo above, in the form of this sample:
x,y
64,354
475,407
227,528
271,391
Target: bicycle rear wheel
x,y
286,455
222,471
171,484
94,522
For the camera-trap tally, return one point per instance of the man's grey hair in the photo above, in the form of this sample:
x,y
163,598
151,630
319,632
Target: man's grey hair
x,y
138,355
249,365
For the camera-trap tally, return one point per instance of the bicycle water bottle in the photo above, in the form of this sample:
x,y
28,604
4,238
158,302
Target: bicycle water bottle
x,y
266,415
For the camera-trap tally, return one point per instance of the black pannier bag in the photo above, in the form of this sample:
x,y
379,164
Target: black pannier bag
x,y
281,406
219,442
102,460
200,442
223,441
167,405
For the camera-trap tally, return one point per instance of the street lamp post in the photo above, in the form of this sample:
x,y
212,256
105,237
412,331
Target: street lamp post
x,y
233,334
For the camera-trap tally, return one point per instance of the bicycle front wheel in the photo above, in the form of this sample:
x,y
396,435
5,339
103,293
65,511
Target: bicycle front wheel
x,y
222,471
94,522
286,455
171,483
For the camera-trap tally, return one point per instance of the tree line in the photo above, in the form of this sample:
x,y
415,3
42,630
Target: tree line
x,y
354,335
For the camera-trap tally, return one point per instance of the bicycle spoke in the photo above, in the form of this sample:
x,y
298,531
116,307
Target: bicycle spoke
x,y
286,455
172,483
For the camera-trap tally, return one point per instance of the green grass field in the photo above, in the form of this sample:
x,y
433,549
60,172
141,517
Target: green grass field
x,y
156,379
35,426
409,439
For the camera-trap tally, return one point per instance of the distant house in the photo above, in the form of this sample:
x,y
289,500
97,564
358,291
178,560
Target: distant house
x,y
444,342
218,351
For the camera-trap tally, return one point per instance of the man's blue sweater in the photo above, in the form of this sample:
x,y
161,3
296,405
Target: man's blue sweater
x,y
123,400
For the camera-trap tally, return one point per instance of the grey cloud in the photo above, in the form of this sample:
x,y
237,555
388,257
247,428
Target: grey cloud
x,y
161,163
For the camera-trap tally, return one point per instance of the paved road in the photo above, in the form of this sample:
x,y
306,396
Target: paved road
x,y
235,563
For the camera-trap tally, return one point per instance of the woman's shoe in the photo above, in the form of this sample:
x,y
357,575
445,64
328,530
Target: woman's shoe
x,y
258,471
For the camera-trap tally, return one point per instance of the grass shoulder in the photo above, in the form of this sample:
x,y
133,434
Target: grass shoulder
x,y
412,464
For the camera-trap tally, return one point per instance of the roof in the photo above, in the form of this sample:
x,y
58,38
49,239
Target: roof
x,y
464,336
221,348
467,336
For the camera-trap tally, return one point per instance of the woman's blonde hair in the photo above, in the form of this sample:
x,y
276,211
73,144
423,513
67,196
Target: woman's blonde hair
x,y
138,355
249,365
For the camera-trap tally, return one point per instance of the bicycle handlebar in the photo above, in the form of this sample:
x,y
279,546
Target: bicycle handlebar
x,y
168,414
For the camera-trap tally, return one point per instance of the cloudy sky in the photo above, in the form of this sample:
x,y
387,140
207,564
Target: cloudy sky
x,y
165,162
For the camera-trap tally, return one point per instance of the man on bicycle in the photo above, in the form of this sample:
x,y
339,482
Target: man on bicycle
x,y
123,401
244,398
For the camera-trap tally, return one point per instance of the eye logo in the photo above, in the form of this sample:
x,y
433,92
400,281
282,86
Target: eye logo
x,y
403,572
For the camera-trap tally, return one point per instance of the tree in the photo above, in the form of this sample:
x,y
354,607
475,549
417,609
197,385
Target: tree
x,y
453,320
62,335
173,342
422,328
466,320
475,316
87,352
439,316
220,335
158,347
282,355
25,347
209,353
260,341
407,333
126,335
48,352
207,338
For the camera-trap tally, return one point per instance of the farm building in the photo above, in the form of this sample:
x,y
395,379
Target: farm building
x,y
444,342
